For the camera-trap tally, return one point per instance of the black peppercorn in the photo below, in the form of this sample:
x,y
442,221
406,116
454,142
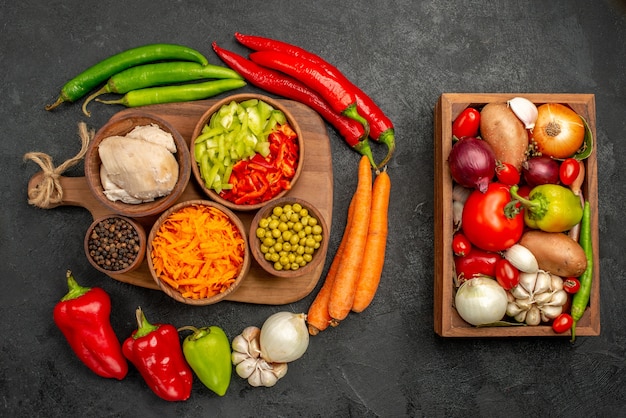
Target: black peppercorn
x,y
113,244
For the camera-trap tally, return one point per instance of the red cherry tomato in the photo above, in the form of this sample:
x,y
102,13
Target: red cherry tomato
x,y
506,274
507,174
476,263
568,171
571,285
460,244
467,123
562,323
484,220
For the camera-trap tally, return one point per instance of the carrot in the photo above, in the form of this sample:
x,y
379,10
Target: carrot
x,y
372,266
198,251
344,287
318,317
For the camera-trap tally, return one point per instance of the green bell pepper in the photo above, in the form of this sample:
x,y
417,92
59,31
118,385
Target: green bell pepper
x,y
550,207
208,353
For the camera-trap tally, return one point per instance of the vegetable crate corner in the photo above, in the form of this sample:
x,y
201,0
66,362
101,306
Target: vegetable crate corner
x,y
544,147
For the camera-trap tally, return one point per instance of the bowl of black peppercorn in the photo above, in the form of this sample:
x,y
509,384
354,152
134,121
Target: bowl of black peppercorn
x,y
115,244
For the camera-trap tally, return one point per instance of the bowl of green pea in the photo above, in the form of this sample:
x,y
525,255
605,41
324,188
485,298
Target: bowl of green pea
x,y
289,237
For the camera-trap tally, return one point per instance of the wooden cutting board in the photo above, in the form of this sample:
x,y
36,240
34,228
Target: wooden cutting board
x,y
315,185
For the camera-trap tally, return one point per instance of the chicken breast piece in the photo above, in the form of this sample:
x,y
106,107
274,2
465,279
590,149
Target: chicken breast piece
x,y
153,133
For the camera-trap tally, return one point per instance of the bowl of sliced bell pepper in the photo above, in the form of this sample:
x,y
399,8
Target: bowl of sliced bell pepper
x,y
247,151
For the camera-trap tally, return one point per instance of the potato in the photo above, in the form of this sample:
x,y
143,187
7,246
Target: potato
x,y
505,133
556,252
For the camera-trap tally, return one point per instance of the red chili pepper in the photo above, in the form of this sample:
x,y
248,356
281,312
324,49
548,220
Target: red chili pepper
x,y
339,96
279,83
155,350
381,127
83,315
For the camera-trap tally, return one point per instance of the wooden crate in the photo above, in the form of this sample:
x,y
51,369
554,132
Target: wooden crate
x,y
447,322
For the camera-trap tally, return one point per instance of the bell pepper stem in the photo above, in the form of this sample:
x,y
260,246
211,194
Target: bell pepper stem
x,y
143,326
74,289
528,204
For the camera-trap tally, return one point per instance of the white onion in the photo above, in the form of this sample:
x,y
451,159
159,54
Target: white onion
x,y
481,301
284,337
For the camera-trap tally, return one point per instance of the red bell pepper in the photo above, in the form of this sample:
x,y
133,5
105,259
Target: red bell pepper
x,y
261,178
155,350
83,316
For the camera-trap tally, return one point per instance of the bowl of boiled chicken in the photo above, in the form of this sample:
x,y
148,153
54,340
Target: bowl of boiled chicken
x,y
247,150
137,165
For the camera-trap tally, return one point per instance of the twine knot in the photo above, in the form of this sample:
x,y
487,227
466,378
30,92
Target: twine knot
x,y
49,191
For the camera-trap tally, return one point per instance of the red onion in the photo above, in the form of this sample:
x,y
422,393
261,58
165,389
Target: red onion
x,y
472,163
540,170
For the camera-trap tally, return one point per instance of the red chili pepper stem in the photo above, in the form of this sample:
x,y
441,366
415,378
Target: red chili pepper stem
x,y
388,138
143,326
74,289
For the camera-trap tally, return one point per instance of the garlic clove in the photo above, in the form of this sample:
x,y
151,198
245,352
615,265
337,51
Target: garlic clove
x,y
527,282
543,298
542,284
240,344
551,312
280,369
519,292
512,309
525,110
559,298
246,368
255,378
238,357
524,304
557,282
533,317
251,333
521,317
522,258
268,378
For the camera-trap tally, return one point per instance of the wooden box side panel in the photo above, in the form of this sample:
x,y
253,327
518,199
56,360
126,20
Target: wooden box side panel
x,y
447,322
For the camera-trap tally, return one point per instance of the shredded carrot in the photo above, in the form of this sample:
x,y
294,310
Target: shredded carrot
x,y
198,251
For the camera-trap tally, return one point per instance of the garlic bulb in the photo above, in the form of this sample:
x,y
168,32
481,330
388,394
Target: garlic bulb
x,y
539,297
248,362
525,110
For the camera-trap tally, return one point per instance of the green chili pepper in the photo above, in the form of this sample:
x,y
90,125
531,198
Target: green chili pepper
x,y
97,74
150,75
177,93
581,298
208,353
549,207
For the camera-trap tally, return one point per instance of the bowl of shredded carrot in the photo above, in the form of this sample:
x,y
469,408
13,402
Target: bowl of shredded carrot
x,y
247,150
198,252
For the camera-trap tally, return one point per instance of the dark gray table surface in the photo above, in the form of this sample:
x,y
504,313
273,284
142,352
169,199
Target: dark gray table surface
x,y
386,361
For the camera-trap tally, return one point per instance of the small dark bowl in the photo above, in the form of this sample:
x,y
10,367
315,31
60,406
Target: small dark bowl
x,y
121,126
138,251
205,118
255,243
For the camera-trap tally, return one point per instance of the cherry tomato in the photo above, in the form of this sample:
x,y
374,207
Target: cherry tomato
x,y
506,274
507,174
485,222
562,323
477,262
571,285
467,123
568,171
460,244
